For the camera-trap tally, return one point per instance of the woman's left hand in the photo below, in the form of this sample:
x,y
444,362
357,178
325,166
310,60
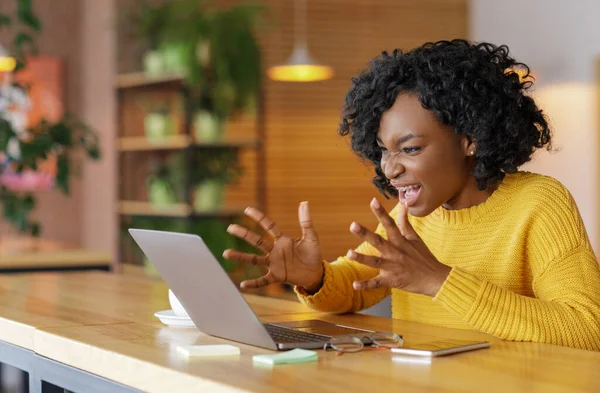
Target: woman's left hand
x,y
405,262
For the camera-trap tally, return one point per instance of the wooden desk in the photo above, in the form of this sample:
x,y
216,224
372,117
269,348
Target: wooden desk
x,y
28,253
101,323
44,300
144,356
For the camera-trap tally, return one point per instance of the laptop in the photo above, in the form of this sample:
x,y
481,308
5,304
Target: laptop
x,y
214,302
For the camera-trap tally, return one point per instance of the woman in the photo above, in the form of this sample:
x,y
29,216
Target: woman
x,y
477,244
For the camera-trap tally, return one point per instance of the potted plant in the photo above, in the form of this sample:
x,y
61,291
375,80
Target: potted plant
x,y
147,22
38,156
162,117
158,185
221,58
214,169
158,125
166,182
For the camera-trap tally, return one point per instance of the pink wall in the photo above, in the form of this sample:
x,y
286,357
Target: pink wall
x,y
98,68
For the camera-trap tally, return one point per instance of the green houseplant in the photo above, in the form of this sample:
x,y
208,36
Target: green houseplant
x,y
23,149
162,118
160,188
158,125
146,21
214,169
217,52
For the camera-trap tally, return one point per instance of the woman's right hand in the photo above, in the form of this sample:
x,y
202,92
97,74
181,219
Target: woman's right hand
x,y
291,261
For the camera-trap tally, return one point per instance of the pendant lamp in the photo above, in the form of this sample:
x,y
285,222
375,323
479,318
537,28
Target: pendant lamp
x,y
7,62
300,66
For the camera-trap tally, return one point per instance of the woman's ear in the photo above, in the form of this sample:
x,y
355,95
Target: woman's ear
x,y
469,146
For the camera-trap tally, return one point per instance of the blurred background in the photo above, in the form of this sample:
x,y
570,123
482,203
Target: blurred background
x,y
176,115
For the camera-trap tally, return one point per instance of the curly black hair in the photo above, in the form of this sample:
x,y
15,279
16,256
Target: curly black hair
x,y
475,88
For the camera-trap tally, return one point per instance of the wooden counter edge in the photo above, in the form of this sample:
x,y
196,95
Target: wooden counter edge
x,y
129,371
16,333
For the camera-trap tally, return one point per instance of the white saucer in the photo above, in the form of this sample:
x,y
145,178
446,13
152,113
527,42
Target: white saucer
x,y
168,317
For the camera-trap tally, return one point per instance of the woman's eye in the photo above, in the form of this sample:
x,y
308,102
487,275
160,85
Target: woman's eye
x,y
411,149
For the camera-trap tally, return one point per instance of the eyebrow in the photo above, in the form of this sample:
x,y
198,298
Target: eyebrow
x,y
402,140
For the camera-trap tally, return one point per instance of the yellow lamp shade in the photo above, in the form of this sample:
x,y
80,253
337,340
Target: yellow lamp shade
x,y
300,73
7,64
300,67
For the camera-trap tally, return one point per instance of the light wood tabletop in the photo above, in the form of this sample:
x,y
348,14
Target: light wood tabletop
x,y
50,299
24,252
145,356
102,323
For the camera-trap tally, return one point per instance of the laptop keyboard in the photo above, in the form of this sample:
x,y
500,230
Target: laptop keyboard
x,y
286,335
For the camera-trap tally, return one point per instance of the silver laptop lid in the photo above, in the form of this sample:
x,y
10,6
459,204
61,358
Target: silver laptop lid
x,y
204,289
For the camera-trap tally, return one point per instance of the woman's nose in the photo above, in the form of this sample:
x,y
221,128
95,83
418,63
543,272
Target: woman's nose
x,y
392,168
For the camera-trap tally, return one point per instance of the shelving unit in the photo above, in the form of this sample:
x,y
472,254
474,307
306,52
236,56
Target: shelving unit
x,y
136,208
140,143
245,135
141,79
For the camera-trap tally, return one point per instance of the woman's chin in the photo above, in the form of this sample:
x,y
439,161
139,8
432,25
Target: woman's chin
x,y
419,210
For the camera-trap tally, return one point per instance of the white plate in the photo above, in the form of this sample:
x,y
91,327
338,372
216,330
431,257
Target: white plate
x,y
168,317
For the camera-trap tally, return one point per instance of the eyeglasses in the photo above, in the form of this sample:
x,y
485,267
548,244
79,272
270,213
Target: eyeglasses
x,y
357,343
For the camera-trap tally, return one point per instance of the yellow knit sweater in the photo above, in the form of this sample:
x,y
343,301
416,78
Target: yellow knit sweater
x,y
522,269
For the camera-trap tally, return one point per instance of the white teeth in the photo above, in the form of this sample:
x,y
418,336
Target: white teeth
x,y
408,187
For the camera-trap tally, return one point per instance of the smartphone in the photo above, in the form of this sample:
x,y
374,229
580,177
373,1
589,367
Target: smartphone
x,y
441,348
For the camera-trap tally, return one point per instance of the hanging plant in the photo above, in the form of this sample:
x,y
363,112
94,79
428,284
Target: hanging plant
x,y
35,157
223,65
215,48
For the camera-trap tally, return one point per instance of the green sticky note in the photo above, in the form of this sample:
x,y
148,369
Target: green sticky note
x,y
294,356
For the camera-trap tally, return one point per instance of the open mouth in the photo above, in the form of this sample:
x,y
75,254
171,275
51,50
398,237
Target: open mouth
x,y
408,195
